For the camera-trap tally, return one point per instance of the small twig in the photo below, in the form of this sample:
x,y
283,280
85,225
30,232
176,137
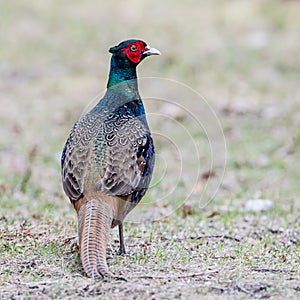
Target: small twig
x,y
175,277
242,289
216,237
37,283
27,231
69,239
265,270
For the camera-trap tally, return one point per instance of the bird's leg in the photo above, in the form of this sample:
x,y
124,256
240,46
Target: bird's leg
x,y
121,237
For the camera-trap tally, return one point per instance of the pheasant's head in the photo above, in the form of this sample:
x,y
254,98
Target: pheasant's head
x,y
133,50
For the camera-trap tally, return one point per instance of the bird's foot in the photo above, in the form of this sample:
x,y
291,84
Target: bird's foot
x,y
121,251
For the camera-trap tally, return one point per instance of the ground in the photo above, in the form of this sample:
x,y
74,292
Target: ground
x,y
222,216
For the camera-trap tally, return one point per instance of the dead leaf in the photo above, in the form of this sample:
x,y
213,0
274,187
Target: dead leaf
x,y
213,214
4,188
208,174
186,210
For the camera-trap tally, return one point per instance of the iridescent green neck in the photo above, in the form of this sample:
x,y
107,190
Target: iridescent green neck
x,y
121,70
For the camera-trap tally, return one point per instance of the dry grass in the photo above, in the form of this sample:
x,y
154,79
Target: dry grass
x,y
243,58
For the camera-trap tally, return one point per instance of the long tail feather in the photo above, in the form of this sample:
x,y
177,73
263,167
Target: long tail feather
x,y
94,223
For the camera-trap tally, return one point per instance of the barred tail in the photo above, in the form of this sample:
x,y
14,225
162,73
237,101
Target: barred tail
x,y
94,223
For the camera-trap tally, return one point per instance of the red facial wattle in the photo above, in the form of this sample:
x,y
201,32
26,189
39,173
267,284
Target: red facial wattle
x,y
134,51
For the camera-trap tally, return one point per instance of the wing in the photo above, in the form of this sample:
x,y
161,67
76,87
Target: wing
x,y
146,155
130,156
76,155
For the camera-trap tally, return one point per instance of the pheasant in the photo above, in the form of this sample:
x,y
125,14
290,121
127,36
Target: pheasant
x,y
108,159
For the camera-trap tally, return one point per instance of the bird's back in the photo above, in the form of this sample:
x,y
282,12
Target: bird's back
x,y
110,149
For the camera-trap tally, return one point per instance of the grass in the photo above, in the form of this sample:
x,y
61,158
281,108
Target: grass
x,y
192,235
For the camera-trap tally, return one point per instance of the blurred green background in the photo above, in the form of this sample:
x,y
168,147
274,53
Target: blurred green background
x,y
241,56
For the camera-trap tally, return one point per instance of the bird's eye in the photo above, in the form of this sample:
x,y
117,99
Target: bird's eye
x,y
133,48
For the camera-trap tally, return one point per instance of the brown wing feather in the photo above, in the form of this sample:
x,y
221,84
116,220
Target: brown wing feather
x,y
124,170
76,155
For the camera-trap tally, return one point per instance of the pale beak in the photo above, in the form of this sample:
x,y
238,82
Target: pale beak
x,y
151,51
